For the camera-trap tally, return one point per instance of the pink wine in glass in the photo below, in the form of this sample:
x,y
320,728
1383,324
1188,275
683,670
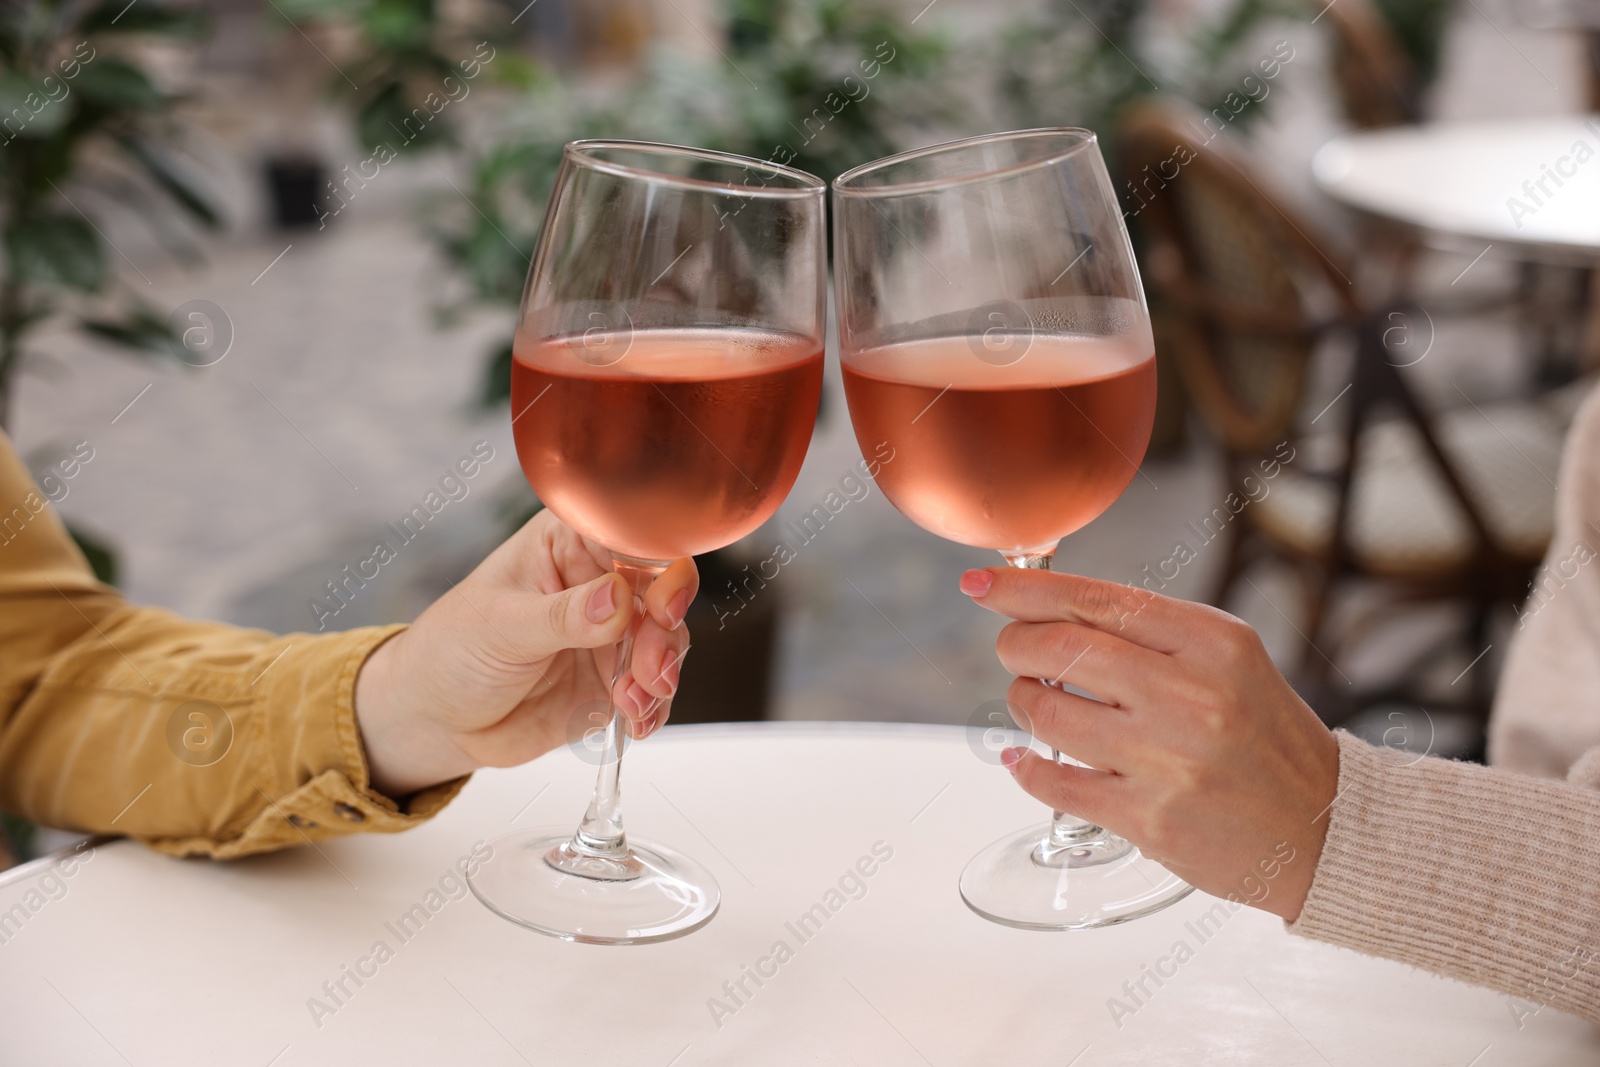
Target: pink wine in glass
x,y
669,442
1010,457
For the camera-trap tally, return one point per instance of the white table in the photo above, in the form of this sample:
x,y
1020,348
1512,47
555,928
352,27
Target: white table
x,y
1453,181
151,961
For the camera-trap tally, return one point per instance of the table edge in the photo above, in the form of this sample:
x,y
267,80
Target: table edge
x,y
1556,252
681,732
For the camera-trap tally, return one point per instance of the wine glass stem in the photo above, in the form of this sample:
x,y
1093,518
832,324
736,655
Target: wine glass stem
x,y
1065,830
601,831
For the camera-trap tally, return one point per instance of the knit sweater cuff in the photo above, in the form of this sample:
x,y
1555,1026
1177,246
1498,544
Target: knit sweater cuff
x,y
1468,871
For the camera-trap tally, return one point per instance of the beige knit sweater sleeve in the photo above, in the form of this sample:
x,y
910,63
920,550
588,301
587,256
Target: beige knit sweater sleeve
x,y
1477,873
1492,874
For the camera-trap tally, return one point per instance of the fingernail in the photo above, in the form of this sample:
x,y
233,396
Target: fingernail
x,y
657,718
602,602
976,583
641,700
669,671
678,608
1009,759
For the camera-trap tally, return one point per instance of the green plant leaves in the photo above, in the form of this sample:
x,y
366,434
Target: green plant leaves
x,y
114,85
55,248
173,178
496,387
145,16
391,118
400,25
101,556
141,330
27,110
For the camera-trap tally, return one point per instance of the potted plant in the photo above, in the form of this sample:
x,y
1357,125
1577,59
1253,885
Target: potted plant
x,y
86,132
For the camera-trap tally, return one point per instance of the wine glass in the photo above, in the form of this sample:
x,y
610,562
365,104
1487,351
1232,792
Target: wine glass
x,y
994,333
665,379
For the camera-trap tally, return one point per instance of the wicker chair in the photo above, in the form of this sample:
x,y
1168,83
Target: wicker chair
x,y
1591,52
1381,493
1377,86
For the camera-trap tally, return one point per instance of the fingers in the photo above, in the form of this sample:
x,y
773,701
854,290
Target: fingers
x,y
545,555
1111,668
1162,624
591,615
1084,729
658,657
644,692
667,599
1081,791
641,712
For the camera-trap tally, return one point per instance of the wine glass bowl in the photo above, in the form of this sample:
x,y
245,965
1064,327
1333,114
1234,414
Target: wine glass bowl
x,y
666,373
676,291
993,332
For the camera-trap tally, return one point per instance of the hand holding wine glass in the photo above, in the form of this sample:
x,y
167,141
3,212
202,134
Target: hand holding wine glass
x,y
665,380
993,331
490,674
1204,756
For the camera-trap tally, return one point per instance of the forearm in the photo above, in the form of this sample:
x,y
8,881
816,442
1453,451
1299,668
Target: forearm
x,y
199,738
1475,873
195,737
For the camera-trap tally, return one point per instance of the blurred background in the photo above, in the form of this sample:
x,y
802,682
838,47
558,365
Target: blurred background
x,y
262,258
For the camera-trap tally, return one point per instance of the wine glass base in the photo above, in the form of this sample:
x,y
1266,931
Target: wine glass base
x,y
669,895
1100,881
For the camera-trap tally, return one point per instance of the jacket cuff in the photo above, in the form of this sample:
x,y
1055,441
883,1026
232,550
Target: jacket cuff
x,y
325,786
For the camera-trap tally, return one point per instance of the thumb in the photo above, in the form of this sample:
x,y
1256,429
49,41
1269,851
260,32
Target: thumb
x,y
591,615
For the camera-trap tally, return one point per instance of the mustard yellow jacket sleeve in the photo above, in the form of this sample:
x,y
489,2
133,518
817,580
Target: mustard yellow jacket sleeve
x,y
193,737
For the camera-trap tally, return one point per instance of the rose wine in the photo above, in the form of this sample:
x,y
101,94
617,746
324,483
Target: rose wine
x,y
664,443
1011,457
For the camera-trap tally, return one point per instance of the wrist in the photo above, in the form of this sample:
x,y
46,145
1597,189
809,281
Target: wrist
x,y
406,750
1323,793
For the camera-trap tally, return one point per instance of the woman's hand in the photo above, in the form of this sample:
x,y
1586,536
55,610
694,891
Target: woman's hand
x,y
496,671
1202,755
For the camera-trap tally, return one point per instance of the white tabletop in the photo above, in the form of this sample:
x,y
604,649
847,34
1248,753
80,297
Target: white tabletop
x,y
1558,14
1458,180
147,960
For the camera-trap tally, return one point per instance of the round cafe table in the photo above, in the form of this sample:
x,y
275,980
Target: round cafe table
x,y
1456,182
135,958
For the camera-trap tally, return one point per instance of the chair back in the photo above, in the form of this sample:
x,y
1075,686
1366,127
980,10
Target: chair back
x,y
1238,276
1372,72
1252,295
1376,83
